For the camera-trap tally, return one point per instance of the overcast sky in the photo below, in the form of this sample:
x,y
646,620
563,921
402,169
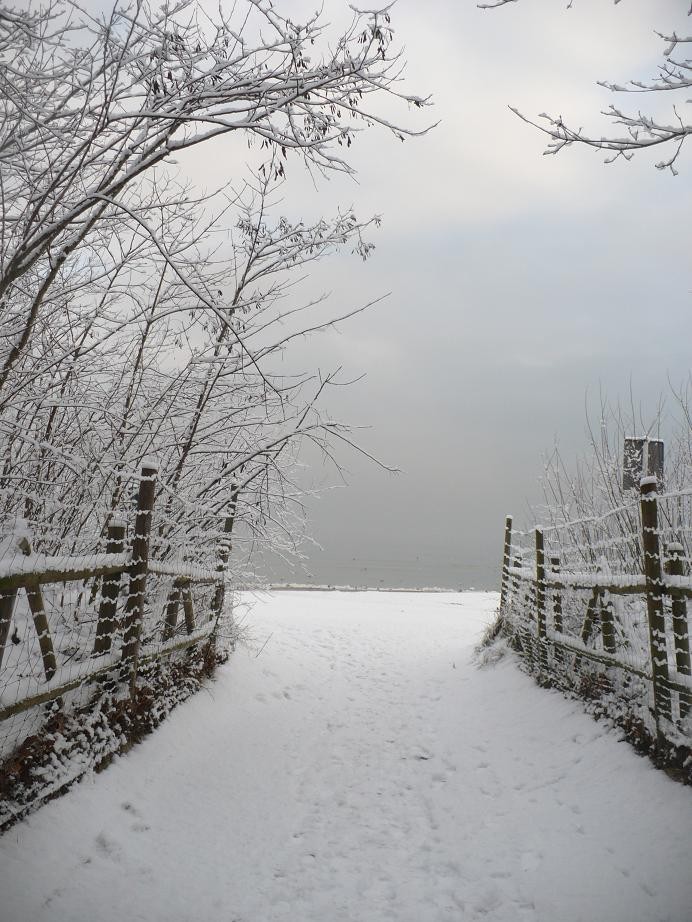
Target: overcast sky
x,y
519,285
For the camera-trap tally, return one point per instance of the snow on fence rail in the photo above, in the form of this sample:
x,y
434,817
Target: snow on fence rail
x,y
618,637
74,627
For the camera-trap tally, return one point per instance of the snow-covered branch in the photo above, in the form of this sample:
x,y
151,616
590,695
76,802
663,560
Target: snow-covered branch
x,y
641,131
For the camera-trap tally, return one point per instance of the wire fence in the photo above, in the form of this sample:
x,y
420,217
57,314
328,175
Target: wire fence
x,y
600,607
104,631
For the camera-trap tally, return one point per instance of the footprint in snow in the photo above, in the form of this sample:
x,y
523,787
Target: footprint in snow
x,y
422,755
648,890
133,811
108,848
531,861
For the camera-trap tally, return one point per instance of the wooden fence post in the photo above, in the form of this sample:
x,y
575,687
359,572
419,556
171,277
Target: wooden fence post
x,y
188,609
225,548
517,563
592,609
38,613
506,556
514,586
557,595
540,599
676,566
172,606
181,591
608,626
587,627
45,641
110,589
134,607
557,607
654,602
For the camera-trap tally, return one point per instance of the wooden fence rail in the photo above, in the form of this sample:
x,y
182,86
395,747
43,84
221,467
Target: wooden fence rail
x,y
667,666
119,569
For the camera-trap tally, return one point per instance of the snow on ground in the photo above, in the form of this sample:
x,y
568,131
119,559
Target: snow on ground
x,y
359,769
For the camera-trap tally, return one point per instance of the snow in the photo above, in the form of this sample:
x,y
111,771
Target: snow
x,y
40,564
588,579
355,765
183,570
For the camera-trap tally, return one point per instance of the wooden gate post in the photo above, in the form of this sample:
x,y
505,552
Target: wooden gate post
x,y
134,607
654,602
540,600
110,589
676,566
506,557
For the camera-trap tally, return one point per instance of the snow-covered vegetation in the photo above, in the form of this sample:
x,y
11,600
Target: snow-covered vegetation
x,y
142,316
591,508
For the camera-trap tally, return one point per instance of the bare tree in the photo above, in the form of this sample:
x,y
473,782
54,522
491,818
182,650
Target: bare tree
x,y
590,512
129,323
635,131
84,125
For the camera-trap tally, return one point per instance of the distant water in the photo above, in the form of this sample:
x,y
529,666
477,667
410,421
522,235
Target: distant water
x,y
383,573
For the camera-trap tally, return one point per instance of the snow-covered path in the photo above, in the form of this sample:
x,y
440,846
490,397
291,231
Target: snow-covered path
x,y
362,769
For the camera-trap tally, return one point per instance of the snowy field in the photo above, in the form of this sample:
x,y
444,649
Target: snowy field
x,y
362,769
